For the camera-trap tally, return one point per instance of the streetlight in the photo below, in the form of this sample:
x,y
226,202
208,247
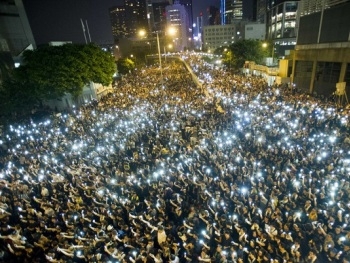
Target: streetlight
x,y
171,31
142,34
160,58
170,46
264,45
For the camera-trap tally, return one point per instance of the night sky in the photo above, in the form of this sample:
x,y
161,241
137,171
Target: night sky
x,y
59,20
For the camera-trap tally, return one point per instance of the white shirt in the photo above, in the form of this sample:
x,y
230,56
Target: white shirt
x,y
176,260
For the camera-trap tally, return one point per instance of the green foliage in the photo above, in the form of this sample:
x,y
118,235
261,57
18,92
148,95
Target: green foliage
x,y
227,58
125,65
246,50
54,71
17,97
207,59
221,50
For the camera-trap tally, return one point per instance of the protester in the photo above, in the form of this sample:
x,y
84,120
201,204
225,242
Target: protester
x,y
165,171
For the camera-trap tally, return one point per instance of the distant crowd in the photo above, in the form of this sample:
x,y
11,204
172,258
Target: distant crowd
x,y
162,170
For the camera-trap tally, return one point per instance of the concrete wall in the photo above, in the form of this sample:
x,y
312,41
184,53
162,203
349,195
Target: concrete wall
x,y
334,23
333,54
68,102
255,31
317,68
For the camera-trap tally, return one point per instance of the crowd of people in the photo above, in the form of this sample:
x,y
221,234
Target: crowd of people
x,y
162,170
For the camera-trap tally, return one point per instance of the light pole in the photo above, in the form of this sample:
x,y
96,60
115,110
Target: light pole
x,y
133,58
142,34
265,45
160,59
170,46
171,31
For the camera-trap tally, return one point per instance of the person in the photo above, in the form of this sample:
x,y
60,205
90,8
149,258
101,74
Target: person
x,y
265,177
312,257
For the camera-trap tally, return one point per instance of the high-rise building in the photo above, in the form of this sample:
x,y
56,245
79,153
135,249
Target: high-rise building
x,y
188,7
197,32
15,35
15,31
261,10
231,10
254,9
159,16
149,13
156,16
218,36
128,19
281,20
213,16
235,10
118,22
321,59
177,18
135,16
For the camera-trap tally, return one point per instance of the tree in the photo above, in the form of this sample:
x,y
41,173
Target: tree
x,y
220,50
246,50
227,58
55,70
125,65
52,71
17,98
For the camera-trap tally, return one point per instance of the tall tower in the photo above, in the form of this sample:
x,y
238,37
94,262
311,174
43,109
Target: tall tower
x,y
156,16
177,17
159,16
213,15
231,10
15,31
281,21
188,7
136,16
118,22
261,10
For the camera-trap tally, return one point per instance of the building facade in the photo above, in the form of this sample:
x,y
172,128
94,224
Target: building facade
x,y
197,32
189,10
261,10
156,16
255,31
322,55
135,16
118,22
177,18
231,10
213,16
159,17
218,36
281,20
128,19
15,31
15,35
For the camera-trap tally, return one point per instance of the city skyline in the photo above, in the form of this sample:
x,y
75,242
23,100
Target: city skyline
x,y
53,20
